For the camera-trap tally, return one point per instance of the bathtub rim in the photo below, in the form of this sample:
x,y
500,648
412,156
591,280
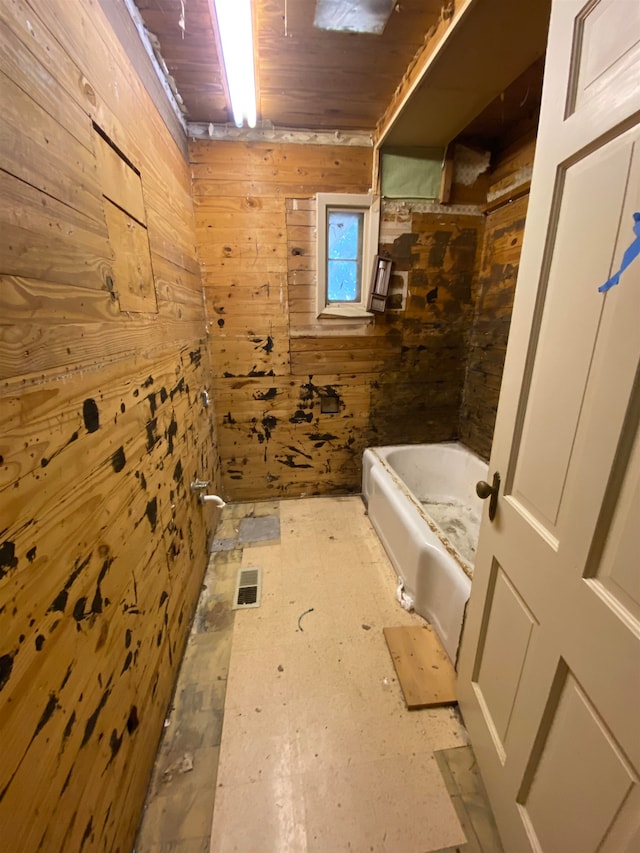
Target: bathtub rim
x,y
466,567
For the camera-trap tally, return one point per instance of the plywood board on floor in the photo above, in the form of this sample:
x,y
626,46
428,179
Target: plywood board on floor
x,y
423,668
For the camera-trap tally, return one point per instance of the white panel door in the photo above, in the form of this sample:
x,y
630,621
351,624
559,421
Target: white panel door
x,y
549,675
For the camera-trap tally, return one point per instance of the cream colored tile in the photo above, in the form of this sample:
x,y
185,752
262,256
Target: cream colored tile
x,y
269,557
316,669
270,614
368,660
412,809
300,582
318,751
299,506
352,590
385,698
265,619
254,678
442,727
305,561
258,628
324,736
309,616
266,816
262,508
393,614
363,627
384,590
390,735
350,735
338,811
257,746
271,601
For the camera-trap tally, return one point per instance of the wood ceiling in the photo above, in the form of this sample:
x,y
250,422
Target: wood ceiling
x,y
307,78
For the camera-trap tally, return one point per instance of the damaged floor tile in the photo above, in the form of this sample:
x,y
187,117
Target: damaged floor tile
x,y
223,545
290,716
259,529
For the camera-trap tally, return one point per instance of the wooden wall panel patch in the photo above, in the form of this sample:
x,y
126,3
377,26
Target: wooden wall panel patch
x,y
132,275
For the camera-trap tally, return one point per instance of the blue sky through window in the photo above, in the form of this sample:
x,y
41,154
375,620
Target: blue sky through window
x,y
344,255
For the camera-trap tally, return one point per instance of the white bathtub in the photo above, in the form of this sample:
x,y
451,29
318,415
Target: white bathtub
x,y
422,503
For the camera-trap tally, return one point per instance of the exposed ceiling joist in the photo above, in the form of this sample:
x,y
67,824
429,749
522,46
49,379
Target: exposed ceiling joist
x,y
323,81
488,46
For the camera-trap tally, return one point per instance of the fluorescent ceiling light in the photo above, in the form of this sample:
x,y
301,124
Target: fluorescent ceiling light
x,y
236,39
353,16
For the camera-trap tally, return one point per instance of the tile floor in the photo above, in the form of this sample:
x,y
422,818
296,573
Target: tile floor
x,y
466,789
317,751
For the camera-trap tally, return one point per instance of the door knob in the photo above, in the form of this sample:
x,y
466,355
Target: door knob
x,y
484,491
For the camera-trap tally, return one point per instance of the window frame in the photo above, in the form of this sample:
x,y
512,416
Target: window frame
x,y
370,207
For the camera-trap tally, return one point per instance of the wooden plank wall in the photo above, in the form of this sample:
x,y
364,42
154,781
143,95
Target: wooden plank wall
x,y
397,378
102,427
273,441
508,189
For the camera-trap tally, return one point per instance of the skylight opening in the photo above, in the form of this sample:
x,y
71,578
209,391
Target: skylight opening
x,y
353,16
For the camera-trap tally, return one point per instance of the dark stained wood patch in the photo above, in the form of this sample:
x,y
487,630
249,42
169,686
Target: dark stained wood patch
x,y
495,288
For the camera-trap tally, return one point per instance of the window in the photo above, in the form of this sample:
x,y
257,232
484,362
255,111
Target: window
x,y
344,255
347,242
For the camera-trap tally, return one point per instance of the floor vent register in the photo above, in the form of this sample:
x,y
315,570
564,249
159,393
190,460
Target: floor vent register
x,y
248,589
